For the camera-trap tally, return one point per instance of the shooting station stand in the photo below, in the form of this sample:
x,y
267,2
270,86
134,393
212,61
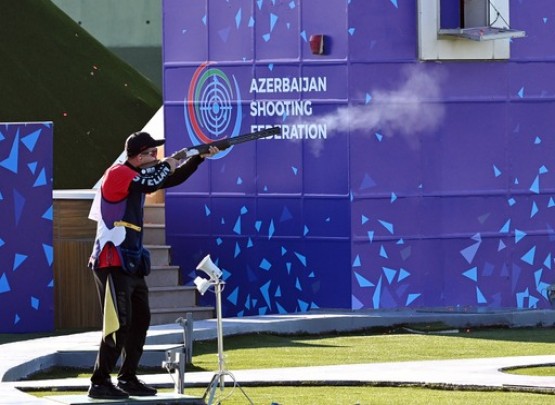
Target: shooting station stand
x,y
178,357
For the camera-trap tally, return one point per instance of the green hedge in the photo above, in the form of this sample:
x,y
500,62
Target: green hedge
x,y
53,70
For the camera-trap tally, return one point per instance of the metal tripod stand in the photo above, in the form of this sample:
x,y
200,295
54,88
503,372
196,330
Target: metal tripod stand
x,y
218,380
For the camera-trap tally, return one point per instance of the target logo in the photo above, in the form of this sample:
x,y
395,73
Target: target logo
x,y
212,107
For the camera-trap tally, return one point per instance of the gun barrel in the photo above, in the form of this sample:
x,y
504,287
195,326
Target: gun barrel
x,y
227,142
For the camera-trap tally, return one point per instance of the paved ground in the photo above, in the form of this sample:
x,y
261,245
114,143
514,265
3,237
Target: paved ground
x,y
20,359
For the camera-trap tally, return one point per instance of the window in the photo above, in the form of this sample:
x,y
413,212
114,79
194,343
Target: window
x,y
464,29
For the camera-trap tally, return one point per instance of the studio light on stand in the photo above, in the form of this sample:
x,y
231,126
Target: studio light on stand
x,y
215,274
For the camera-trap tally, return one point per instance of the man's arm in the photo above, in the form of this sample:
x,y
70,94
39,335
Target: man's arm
x,y
186,169
183,172
150,179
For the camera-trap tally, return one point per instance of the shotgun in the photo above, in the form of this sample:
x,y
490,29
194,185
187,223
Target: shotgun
x,y
225,143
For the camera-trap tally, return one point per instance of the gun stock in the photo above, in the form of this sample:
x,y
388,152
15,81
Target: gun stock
x,y
227,142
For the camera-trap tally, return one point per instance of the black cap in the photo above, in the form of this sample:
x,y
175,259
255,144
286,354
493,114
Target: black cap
x,y
140,141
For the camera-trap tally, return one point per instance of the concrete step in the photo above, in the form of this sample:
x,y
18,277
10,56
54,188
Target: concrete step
x,y
154,234
85,356
165,316
159,254
158,197
163,276
154,213
172,297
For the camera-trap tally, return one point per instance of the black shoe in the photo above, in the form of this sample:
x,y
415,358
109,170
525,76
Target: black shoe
x,y
137,388
107,391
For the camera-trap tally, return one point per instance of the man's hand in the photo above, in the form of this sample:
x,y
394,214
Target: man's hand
x,y
180,154
211,152
172,162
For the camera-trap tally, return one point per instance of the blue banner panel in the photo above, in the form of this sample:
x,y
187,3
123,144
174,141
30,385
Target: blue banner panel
x,y
26,250
395,182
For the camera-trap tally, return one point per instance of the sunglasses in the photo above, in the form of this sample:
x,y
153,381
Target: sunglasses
x,y
151,152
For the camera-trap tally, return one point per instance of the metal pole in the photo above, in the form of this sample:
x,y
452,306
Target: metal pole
x,y
221,361
219,378
180,381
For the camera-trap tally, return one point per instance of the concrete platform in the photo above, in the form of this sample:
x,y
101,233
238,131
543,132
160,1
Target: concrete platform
x,y
20,359
158,399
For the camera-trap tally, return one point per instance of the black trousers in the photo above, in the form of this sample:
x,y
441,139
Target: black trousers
x,y
134,317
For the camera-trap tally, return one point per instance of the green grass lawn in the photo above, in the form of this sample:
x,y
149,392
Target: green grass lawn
x,y
267,351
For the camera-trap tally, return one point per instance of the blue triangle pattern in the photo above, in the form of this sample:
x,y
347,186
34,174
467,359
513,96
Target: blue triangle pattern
x,y
11,162
547,262
376,297
355,302
480,297
472,274
32,167
271,229
389,274
534,210
280,309
30,140
264,290
470,252
367,182
528,257
238,18
403,274
362,281
411,298
387,225
41,179
303,306
48,214
519,235
48,253
538,277
224,35
232,297
18,260
532,302
237,226
535,187
301,258
19,202
4,284
273,21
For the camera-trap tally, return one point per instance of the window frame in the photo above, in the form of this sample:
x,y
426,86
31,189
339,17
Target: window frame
x,y
437,44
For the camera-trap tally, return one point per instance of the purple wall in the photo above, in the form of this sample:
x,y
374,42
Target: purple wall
x,y
433,188
26,252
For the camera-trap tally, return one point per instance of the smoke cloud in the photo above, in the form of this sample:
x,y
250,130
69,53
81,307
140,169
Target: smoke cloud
x,y
410,110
